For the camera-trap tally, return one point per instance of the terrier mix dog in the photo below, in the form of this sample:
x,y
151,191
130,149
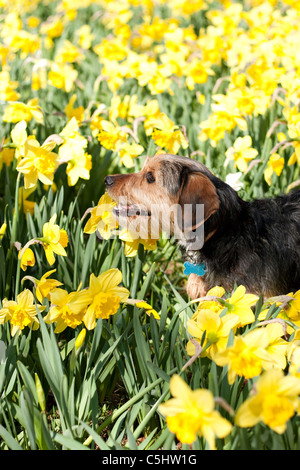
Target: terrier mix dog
x,y
256,244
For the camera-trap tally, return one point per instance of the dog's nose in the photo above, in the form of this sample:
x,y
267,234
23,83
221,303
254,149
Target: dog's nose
x,y
109,181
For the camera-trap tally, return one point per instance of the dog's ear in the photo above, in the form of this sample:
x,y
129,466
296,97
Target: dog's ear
x,y
197,189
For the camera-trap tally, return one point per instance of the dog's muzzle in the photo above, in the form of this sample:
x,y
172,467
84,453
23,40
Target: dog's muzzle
x,y
130,211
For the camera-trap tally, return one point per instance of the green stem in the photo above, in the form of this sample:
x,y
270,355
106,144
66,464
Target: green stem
x,y
16,217
14,227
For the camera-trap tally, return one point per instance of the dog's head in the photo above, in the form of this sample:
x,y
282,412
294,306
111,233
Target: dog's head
x,y
172,194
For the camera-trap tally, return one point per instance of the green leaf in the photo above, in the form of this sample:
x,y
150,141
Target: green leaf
x,y
9,439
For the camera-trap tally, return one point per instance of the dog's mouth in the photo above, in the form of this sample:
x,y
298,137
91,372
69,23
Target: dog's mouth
x,y
134,210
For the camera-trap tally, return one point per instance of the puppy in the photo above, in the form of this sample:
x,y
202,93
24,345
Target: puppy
x,y
256,244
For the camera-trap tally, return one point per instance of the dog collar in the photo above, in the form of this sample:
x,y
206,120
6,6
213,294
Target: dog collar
x,y
190,268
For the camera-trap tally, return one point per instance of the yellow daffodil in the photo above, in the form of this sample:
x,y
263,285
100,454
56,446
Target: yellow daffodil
x,y
62,76
247,356
53,28
274,401
277,346
111,136
3,228
7,86
68,53
54,240
38,163
241,152
19,137
112,49
147,307
166,135
20,313
216,330
275,165
132,242
18,111
28,259
292,310
211,304
67,309
85,37
6,154
191,413
293,355
72,152
128,152
77,113
80,339
240,304
294,134
102,218
196,72
44,286
105,296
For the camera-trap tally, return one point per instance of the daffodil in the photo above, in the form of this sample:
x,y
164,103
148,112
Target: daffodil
x,y
6,154
54,240
3,228
68,53
62,76
20,313
277,346
19,137
38,163
292,310
52,28
216,329
147,307
211,302
85,37
80,339
66,309
168,136
128,152
28,259
44,285
274,401
133,241
241,152
247,356
196,72
77,113
293,355
275,165
72,152
111,136
102,218
18,111
192,413
7,86
240,304
105,296
294,134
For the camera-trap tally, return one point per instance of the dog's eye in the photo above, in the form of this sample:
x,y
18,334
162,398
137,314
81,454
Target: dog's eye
x,y
150,177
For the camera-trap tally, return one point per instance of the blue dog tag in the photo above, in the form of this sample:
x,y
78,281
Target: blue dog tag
x,y
190,268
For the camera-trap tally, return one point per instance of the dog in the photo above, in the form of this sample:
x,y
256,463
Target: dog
x,y
256,244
